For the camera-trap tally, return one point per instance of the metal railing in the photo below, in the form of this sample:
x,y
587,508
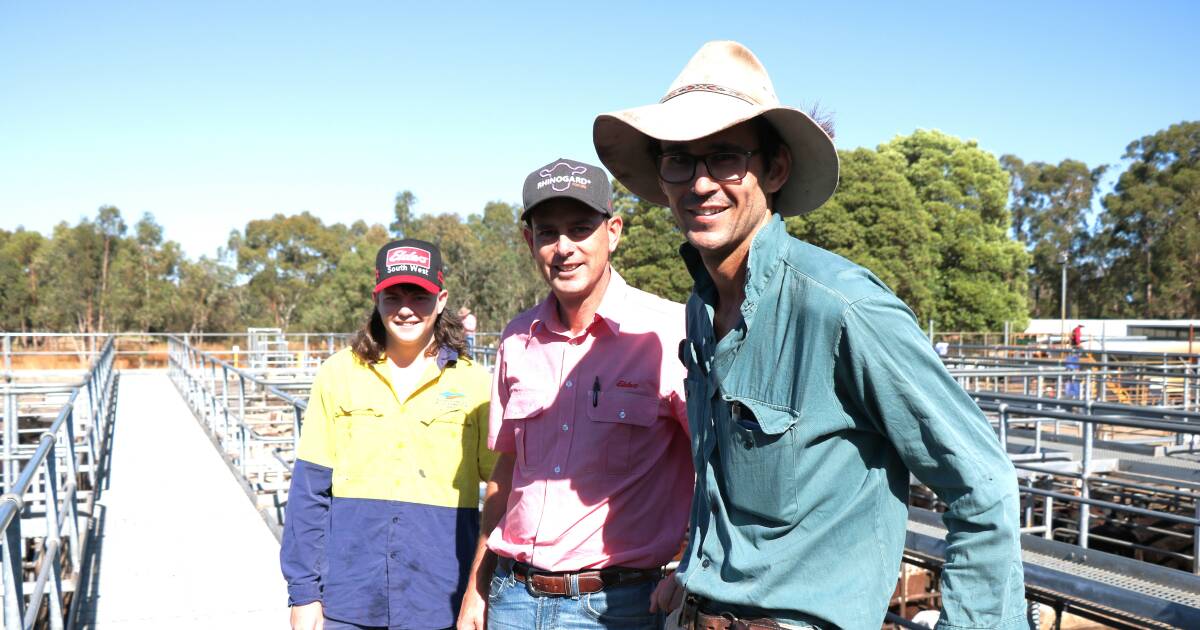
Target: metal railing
x,y
71,353
48,505
1162,380
1072,481
252,417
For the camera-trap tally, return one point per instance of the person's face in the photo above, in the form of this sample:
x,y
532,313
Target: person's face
x,y
409,313
571,245
718,217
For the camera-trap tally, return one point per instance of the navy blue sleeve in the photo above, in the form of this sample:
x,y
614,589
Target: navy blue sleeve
x,y
306,521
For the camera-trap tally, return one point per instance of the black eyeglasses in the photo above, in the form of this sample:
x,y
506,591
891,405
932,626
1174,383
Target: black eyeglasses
x,y
724,166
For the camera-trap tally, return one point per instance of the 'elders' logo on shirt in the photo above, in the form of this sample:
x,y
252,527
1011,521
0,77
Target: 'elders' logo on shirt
x,y
410,256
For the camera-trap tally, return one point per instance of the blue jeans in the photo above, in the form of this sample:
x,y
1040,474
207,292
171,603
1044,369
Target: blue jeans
x,y
511,606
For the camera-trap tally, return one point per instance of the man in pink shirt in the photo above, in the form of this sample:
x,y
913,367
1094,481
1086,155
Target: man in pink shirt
x,y
590,496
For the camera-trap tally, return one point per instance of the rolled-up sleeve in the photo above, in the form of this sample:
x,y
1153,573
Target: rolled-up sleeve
x,y
947,443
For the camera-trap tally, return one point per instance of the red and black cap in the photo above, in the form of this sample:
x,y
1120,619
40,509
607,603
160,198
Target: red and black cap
x,y
409,261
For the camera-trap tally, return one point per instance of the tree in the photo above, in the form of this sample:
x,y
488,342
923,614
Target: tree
x,y
73,272
503,280
1149,239
206,297
343,296
1050,217
403,211
982,273
141,292
111,228
285,257
19,279
876,220
648,255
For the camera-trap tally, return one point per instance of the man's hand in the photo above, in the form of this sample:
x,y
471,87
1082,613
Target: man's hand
x,y
473,615
308,617
667,595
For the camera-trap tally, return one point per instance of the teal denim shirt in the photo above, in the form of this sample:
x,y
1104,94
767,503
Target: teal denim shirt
x,y
806,421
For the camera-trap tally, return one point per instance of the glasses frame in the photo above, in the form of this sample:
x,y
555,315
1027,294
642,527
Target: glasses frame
x,y
696,159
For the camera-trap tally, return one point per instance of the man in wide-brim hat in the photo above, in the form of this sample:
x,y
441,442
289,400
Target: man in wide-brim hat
x,y
812,393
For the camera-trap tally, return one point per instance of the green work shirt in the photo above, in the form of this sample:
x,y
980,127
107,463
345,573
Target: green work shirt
x,y
806,420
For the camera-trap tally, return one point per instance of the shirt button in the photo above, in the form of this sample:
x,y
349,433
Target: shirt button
x,y
570,383
622,414
748,443
395,519
565,427
704,563
557,469
396,556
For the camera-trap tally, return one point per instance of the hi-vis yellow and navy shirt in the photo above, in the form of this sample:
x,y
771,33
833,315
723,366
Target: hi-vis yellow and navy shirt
x,y
382,517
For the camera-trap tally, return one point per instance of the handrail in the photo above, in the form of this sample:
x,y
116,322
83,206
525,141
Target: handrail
x,y
61,464
1022,409
221,397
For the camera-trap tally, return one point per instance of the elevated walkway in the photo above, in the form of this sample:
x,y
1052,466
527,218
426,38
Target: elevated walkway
x,y
178,544
1125,592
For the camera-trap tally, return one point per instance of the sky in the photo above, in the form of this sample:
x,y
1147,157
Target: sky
x,y
207,115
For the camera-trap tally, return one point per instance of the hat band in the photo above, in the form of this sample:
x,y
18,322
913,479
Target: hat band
x,y
707,87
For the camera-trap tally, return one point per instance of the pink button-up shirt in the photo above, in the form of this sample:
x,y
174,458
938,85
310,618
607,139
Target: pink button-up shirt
x,y
603,473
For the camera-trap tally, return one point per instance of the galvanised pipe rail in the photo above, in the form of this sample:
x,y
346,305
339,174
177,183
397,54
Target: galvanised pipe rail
x,y
56,464
1133,354
220,395
198,370
1174,387
1028,408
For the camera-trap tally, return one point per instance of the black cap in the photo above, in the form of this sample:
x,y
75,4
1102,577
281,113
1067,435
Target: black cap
x,y
409,261
573,180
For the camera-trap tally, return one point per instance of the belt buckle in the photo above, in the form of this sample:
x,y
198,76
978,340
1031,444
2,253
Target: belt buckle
x,y
570,585
531,580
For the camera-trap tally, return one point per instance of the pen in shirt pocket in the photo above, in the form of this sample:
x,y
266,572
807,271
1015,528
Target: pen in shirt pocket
x,y
596,392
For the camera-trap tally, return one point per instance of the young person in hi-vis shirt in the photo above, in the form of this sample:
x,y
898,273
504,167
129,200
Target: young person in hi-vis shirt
x,y
382,516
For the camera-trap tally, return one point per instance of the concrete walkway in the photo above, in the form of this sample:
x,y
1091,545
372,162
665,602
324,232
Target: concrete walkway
x,y
180,545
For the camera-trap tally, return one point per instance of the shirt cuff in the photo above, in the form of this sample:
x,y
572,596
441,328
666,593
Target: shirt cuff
x,y
301,594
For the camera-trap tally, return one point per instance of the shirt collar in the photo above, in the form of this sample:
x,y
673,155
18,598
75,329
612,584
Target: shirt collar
x,y
610,311
445,356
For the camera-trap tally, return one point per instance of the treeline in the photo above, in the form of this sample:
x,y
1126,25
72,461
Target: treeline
x,y
293,272
969,241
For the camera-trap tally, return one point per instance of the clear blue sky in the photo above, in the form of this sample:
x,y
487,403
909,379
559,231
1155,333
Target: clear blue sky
x,y
209,114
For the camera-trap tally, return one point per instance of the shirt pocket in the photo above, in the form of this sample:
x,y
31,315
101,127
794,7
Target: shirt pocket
x,y
760,468
446,420
444,431
359,432
526,411
621,422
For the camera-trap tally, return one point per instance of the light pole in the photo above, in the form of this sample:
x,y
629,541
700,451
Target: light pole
x,y
1063,258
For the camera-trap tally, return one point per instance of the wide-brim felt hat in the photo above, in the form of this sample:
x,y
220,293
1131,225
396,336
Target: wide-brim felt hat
x,y
722,86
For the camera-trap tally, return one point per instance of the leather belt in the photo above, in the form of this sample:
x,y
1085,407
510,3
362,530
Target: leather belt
x,y
692,618
570,583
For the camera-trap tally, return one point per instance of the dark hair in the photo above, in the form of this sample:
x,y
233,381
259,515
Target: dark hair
x,y
370,341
